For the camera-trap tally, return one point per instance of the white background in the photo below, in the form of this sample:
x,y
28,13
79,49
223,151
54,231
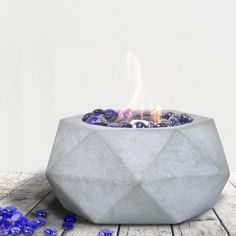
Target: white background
x,y
62,58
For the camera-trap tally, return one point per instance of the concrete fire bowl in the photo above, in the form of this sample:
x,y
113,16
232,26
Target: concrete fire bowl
x,y
137,176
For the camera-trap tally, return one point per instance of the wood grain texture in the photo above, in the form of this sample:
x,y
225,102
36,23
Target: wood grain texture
x,y
55,216
30,192
89,229
145,230
206,224
225,208
11,181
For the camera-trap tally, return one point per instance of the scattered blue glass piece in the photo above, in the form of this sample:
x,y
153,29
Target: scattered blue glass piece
x,y
41,213
105,232
1,211
8,222
22,222
139,124
40,221
28,230
14,230
67,225
16,216
33,224
50,231
70,218
2,220
9,210
3,231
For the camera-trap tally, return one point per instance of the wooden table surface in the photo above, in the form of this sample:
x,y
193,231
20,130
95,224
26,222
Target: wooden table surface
x,y
31,191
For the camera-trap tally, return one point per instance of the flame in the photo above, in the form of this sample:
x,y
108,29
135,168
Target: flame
x,y
141,98
156,114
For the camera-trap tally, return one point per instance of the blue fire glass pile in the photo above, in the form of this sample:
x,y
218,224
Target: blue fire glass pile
x,y
13,222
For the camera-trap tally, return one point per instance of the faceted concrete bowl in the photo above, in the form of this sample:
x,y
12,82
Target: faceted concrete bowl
x,y
137,176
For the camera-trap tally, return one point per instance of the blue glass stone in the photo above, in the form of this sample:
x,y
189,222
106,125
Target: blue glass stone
x,y
110,113
124,124
16,216
33,224
92,120
2,220
41,213
28,230
70,218
8,223
167,115
186,118
98,112
1,211
9,210
165,123
40,221
178,116
112,125
50,231
151,124
14,231
125,114
67,225
3,231
146,113
22,222
174,121
86,116
105,232
139,124
157,125
101,122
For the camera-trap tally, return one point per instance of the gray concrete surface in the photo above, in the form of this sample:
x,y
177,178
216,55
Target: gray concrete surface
x,y
137,176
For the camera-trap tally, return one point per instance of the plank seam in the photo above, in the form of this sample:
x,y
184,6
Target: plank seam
x,y
13,190
172,230
118,231
227,231
232,183
47,194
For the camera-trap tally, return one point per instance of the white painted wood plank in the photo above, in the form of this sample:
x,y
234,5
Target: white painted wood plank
x,y
89,229
206,224
55,216
28,194
225,208
13,179
145,230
